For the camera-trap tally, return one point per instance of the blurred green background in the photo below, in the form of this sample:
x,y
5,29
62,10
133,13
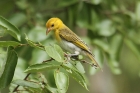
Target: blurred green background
x,y
110,27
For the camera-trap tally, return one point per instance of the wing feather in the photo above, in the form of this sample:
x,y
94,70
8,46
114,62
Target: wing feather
x,y
70,36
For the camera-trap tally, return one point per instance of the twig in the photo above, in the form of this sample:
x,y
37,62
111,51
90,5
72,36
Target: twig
x,y
29,75
48,60
21,45
19,85
87,62
77,59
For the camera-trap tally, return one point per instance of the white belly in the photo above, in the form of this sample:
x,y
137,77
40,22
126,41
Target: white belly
x,y
70,47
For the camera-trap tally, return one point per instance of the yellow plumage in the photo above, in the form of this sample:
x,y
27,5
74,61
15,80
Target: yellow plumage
x,y
68,39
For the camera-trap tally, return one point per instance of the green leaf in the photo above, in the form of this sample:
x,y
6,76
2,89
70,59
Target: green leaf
x,y
133,48
76,74
60,51
115,43
55,52
51,89
8,43
96,2
92,70
11,29
38,56
41,67
99,58
137,11
62,81
33,90
79,78
47,87
65,3
7,72
18,19
80,67
69,66
21,66
2,32
6,7
26,83
37,33
102,44
114,66
76,66
106,28
33,44
83,20
134,35
3,57
22,4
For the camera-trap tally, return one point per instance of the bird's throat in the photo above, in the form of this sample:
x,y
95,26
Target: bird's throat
x,y
57,36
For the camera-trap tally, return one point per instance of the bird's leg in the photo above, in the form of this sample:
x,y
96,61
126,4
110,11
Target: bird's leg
x,y
74,56
67,57
93,65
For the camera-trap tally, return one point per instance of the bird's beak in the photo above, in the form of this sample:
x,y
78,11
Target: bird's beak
x,y
48,30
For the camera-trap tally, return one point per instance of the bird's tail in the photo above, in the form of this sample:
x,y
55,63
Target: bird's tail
x,y
95,64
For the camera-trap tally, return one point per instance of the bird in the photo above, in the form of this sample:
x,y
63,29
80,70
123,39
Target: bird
x,y
68,40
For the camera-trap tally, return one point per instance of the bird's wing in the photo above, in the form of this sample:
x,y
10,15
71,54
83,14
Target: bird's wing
x,y
70,36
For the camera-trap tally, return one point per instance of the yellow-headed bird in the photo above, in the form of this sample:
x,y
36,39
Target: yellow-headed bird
x,y
68,39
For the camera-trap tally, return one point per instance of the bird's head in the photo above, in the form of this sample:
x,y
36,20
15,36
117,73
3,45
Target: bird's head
x,y
53,24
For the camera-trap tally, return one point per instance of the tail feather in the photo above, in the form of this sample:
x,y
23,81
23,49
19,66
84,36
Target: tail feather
x,y
95,64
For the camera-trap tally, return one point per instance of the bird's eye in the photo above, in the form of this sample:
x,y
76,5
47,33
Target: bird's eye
x,y
52,25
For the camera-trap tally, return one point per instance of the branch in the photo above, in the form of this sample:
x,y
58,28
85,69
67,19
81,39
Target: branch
x,y
73,56
15,89
19,85
21,45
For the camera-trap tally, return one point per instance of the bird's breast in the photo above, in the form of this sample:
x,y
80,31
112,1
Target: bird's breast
x,y
66,45
70,47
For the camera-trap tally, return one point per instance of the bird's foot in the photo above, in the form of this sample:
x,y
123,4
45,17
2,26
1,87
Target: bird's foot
x,y
76,57
68,56
93,65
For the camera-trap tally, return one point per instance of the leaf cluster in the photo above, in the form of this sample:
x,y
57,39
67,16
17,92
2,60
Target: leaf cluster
x,y
108,26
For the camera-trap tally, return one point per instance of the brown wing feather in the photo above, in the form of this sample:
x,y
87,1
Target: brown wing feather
x,y
70,36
